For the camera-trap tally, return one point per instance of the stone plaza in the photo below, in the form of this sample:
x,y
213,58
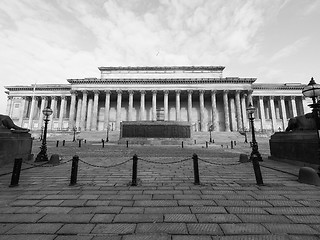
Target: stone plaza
x,y
165,204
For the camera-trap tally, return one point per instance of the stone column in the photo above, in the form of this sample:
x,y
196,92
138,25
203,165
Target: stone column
x,y
54,111
226,110
294,106
72,109
166,104
306,108
273,113
118,116
201,98
42,106
84,110
284,113
178,114
130,106
238,111
244,113
214,110
190,106
34,102
154,105
62,107
142,105
9,106
106,110
262,114
78,117
232,112
23,106
89,114
95,110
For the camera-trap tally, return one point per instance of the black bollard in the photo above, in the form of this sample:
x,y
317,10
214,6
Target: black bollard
x,y
63,142
195,141
134,170
127,143
74,170
182,144
212,140
57,144
231,144
235,143
102,143
79,142
16,172
221,145
196,169
206,144
256,168
85,141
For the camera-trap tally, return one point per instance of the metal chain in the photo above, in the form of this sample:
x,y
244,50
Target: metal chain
x,y
110,166
221,164
164,163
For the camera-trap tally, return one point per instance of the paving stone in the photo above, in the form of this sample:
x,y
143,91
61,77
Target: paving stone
x,y
102,218
35,228
290,228
122,203
73,237
287,203
199,202
24,203
294,210
243,228
73,203
167,210
204,228
76,228
304,218
254,218
115,197
107,209
5,227
217,218
32,196
208,209
122,228
107,237
193,237
147,237
20,218
82,210
135,218
132,210
8,209
49,203
161,197
95,203
155,203
257,203
66,218
28,237
303,237
235,203
55,210
169,228
178,217
144,197
252,237
247,210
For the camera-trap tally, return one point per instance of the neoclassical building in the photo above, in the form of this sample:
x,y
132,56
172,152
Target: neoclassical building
x,y
197,94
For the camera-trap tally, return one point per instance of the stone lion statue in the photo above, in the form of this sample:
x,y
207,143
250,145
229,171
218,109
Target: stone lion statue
x,y
7,123
303,122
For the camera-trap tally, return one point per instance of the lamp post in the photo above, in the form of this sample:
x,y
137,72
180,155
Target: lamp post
x,y
74,129
42,155
210,131
255,156
108,128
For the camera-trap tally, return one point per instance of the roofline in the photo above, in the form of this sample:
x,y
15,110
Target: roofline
x,y
163,68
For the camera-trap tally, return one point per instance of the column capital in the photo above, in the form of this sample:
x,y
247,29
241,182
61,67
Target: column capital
x,y
130,92
213,91
73,92
96,92
84,92
10,97
63,97
24,97
154,91
143,92
260,97
36,97
292,97
44,97
178,91
201,91
238,91
190,91
271,97
107,91
282,97
166,92
225,91
54,97
119,92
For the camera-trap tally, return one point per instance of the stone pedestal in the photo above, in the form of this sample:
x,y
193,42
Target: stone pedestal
x,y
302,146
14,144
155,132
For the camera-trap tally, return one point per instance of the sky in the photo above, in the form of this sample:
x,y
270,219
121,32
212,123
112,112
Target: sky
x,y
50,41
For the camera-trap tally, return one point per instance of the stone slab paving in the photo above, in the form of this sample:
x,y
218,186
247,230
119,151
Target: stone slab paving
x,y
165,205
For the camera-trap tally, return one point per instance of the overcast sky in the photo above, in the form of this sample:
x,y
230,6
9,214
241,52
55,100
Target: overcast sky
x,y
49,41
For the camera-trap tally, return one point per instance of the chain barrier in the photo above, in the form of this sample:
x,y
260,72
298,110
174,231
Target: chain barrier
x,y
46,164
110,166
220,164
165,163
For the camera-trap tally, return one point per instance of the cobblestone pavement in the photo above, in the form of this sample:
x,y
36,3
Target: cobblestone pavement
x,y
165,205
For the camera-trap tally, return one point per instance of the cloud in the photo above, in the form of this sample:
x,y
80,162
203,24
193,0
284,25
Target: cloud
x,y
289,50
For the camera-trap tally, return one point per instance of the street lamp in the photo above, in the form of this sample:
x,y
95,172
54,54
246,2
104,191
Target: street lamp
x,y
74,129
108,128
255,156
42,155
210,130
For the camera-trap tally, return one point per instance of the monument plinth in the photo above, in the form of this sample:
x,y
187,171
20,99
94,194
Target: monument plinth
x,y
155,132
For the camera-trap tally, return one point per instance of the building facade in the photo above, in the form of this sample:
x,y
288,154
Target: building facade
x,y
199,95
